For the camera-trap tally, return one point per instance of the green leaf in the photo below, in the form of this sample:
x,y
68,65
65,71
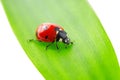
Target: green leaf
x,y
91,57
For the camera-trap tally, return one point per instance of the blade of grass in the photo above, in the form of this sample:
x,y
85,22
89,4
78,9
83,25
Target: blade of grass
x,y
91,57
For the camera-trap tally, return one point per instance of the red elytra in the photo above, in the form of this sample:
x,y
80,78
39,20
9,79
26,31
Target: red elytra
x,y
46,32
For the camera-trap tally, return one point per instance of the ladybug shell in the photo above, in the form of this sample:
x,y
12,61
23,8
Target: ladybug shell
x,y
46,32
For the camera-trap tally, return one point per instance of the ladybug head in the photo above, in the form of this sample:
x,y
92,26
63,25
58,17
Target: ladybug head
x,y
66,40
63,35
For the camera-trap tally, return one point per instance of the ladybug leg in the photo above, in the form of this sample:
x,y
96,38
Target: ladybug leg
x,y
33,40
57,45
66,45
49,45
57,39
30,40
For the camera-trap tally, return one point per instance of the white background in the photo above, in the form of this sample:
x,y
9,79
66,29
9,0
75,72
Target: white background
x,y
15,65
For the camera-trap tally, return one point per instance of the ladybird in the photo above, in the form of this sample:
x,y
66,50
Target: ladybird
x,y
49,32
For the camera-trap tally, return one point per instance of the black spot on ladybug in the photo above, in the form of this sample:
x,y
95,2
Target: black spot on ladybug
x,y
46,37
